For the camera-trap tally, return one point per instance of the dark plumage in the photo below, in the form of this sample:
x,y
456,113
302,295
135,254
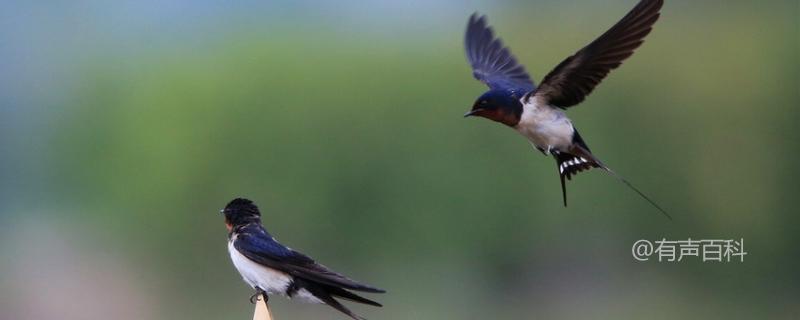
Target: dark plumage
x,y
575,77
492,63
270,267
537,112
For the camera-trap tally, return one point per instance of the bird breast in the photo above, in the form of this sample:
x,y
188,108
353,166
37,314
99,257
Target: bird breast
x,y
256,275
545,126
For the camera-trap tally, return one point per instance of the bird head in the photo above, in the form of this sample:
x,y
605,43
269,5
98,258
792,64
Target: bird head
x,y
497,105
240,211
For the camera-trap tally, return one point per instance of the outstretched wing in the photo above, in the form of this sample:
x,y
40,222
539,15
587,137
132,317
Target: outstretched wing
x,y
492,63
261,248
575,77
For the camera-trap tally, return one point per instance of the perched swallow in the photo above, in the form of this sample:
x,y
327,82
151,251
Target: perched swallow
x,y
272,268
538,112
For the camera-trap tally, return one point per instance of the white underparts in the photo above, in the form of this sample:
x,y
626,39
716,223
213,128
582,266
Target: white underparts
x,y
547,127
306,296
270,280
256,275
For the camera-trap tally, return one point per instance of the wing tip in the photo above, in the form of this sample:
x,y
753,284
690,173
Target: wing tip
x,y
366,288
477,16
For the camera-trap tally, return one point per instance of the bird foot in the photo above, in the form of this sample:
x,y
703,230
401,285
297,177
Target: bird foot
x,y
262,293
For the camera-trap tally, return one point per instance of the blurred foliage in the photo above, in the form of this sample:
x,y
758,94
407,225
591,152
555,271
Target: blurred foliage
x,y
356,151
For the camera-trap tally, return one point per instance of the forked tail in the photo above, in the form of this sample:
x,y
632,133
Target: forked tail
x,y
637,191
570,164
578,159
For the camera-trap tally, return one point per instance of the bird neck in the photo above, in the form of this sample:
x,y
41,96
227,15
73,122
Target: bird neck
x,y
507,108
240,225
508,113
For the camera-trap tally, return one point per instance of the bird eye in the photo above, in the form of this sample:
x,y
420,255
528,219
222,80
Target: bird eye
x,y
484,102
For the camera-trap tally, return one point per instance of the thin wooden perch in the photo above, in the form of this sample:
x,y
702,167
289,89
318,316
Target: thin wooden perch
x,y
262,310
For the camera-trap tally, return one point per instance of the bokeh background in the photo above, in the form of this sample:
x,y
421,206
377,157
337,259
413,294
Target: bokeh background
x,y
125,126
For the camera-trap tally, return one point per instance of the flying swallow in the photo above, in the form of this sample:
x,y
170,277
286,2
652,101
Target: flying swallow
x,y
538,112
272,268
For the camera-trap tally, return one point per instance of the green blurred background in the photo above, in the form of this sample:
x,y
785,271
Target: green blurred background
x,y
126,126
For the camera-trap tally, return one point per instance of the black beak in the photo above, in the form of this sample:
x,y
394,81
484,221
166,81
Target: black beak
x,y
472,113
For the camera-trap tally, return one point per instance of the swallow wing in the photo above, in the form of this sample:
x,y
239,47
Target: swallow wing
x,y
575,77
263,249
492,63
